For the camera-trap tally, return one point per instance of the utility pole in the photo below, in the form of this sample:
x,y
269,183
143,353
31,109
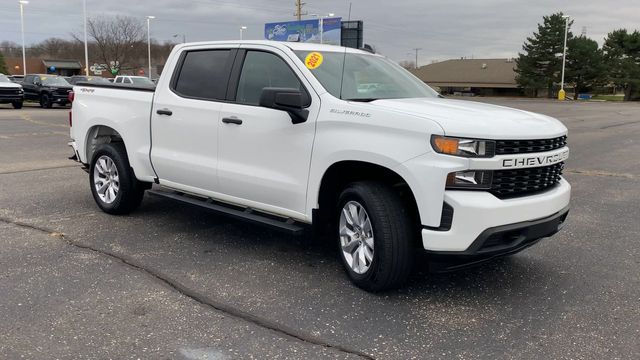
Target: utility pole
x,y
299,13
416,50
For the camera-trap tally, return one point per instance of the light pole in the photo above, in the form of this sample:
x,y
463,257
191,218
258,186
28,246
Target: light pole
x,y
242,28
149,41
561,93
24,57
321,23
184,37
86,51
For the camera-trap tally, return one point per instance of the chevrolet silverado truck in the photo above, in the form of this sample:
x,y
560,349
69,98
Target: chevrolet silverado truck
x,y
46,89
10,92
294,134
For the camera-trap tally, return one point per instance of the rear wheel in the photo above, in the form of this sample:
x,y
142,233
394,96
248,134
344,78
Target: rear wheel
x,y
45,101
375,236
113,183
17,104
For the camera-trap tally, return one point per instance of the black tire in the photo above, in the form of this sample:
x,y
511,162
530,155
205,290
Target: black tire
x,y
392,231
45,101
131,190
17,104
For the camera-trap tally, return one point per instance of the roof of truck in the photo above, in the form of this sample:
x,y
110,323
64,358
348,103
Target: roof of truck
x,y
295,46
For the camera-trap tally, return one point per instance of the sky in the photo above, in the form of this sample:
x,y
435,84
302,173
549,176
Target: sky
x,y
443,29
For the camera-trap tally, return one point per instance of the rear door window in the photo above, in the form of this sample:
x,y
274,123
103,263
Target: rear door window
x,y
204,74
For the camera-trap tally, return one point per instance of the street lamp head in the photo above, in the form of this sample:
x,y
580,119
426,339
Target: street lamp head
x,y
331,14
151,17
566,16
243,27
23,2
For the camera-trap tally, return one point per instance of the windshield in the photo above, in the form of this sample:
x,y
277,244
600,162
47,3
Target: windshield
x,y
3,78
366,77
142,81
54,81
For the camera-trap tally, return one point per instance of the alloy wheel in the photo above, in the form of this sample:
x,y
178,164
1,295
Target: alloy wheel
x,y
356,237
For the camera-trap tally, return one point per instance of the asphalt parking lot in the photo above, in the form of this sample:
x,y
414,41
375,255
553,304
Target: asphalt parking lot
x,y
176,282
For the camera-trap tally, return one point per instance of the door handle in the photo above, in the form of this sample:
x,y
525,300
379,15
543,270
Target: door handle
x,y
232,121
164,112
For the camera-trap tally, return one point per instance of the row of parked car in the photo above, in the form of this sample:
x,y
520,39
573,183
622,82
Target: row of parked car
x,y
47,89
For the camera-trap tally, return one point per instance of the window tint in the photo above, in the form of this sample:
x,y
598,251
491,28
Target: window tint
x,y
204,75
118,80
261,70
126,81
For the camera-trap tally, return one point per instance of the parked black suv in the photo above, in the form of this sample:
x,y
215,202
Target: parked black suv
x,y
46,89
10,92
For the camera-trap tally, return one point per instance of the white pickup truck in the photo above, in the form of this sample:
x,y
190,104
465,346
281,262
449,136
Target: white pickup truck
x,y
292,134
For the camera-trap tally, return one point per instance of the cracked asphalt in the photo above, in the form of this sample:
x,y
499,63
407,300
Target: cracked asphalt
x,y
171,281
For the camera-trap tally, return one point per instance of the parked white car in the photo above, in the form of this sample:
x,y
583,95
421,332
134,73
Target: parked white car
x,y
285,134
133,80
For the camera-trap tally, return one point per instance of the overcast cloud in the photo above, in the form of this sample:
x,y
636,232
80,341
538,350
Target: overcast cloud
x,y
443,29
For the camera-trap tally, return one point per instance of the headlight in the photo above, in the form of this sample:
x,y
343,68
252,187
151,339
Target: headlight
x,y
473,148
470,179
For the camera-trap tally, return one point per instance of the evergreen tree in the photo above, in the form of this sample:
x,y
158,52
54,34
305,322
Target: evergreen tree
x,y
3,66
585,66
539,66
622,56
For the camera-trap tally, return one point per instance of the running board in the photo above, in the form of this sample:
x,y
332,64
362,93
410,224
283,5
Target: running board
x,y
288,225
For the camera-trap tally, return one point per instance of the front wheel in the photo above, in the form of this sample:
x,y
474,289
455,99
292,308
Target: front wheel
x,y
375,236
45,101
17,104
113,183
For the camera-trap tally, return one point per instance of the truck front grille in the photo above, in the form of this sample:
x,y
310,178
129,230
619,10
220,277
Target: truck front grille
x,y
507,147
9,91
511,183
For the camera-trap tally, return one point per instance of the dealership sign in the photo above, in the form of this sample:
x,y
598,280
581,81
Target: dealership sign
x,y
305,31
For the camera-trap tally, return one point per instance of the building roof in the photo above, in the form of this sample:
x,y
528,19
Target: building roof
x,y
494,73
62,64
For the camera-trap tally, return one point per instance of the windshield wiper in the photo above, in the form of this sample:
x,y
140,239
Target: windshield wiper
x,y
363,99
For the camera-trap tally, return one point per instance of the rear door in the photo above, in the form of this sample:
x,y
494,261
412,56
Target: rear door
x,y
264,160
186,117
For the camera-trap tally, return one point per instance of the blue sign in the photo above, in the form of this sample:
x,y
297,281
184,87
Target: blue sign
x,y
305,31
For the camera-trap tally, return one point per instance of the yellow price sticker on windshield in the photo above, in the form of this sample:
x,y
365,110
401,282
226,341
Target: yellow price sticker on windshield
x,y
313,60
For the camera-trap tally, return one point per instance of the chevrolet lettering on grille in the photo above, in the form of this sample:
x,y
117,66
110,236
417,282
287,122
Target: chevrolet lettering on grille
x,y
540,160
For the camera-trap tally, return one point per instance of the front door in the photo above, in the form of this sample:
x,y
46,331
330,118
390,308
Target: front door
x,y
186,118
264,159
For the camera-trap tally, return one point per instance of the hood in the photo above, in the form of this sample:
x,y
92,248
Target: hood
x,y
478,120
10,85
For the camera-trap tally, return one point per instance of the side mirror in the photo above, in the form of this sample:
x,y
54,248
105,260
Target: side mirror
x,y
285,99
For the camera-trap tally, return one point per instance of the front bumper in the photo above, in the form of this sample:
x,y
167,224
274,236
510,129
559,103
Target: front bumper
x,y
10,98
59,98
507,224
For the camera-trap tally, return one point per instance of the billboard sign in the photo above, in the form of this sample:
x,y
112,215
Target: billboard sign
x,y
305,31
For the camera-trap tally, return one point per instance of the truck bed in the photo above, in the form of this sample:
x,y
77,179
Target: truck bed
x,y
124,108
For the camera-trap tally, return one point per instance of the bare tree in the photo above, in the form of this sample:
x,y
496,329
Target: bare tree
x,y
118,41
408,64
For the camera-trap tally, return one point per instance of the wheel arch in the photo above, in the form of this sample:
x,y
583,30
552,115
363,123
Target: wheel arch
x,y
100,134
340,174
